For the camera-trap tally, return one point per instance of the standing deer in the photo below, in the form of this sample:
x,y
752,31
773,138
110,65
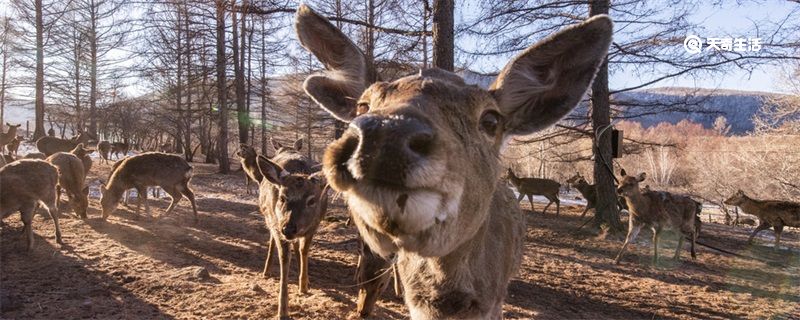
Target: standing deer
x,y
247,157
770,213
13,145
7,137
536,186
420,164
83,154
293,201
25,183
170,172
120,147
71,177
50,145
589,192
104,148
659,210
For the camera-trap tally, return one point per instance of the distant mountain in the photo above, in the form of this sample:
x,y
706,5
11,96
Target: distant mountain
x,y
698,105
673,104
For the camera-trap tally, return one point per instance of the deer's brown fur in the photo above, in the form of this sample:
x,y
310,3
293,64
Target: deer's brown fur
x,y
771,213
104,148
170,172
118,148
25,183
8,136
293,201
536,186
83,154
658,210
443,211
50,145
13,145
71,177
248,159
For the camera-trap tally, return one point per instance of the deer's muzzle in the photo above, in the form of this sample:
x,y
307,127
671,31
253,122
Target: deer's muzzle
x,y
383,149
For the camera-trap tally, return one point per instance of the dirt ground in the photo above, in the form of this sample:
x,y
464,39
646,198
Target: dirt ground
x,y
136,267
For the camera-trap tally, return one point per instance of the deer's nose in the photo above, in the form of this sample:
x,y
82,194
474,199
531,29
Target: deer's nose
x,y
388,146
290,231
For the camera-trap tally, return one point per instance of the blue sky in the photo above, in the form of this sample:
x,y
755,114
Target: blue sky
x,y
734,20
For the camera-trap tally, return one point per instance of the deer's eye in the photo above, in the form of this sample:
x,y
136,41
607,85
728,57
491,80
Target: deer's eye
x,y
311,202
490,122
282,198
362,108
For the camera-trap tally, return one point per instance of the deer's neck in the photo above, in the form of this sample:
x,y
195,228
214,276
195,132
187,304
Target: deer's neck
x,y
471,281
750,205
638,203
514,180
584,188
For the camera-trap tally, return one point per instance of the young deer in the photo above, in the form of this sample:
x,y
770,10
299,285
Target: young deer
x,y
170,172
120,147
420,165
71,177
50,145
770,213
659,210
247,157
25,183
104,148
7,137
535,186
587,190
293,202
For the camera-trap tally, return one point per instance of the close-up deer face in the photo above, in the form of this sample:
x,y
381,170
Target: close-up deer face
x,y
294,199
629,185
736,199
419,161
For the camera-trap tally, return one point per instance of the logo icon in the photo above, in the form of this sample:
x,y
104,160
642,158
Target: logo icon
x,y
693,44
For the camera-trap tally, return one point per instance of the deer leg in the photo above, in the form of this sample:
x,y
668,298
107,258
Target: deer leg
x,y
27,212
268,262
680,246
778,230
176,196
530,200
305,244
52,209
585,210
761,226
633,231
284,256
521,196
558,206
656,234
190,195
695,234
398,287
141,193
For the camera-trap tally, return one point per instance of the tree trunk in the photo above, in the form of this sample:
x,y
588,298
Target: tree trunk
x,y
443,42
179,145
606,211
93,69
222,137
187,126
264,94
39,96
241,113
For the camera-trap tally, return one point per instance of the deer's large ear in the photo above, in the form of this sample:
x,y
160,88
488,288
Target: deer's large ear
x,y
337,89
546,81
270,170
641,177
298,144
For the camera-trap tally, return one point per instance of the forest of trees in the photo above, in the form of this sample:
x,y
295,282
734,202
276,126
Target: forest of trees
x,y
200,77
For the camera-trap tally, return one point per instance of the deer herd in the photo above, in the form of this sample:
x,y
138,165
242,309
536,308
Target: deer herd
x,y
418,166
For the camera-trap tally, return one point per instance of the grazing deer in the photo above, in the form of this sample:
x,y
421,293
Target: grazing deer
x,y
771,213
659,210
25,183
50,145
589,192
7,137
420,164
247,157
536,186
293,202
104,148
170,172
13,145
120,147
71,177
